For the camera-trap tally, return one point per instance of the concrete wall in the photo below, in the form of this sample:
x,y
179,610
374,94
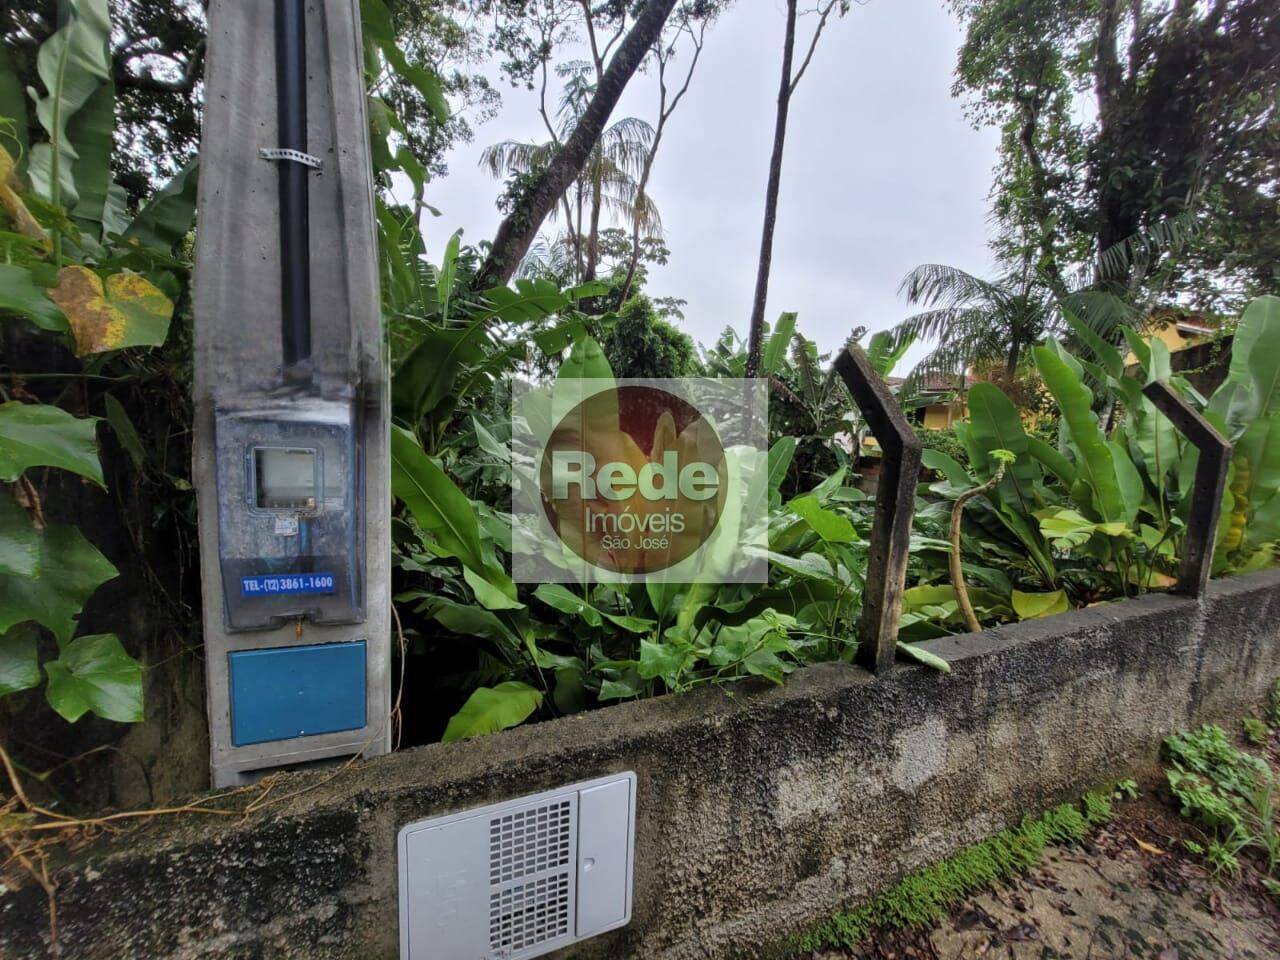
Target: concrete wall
x,y
760,811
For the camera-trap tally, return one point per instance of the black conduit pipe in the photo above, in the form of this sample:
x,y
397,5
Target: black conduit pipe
x,y
295,254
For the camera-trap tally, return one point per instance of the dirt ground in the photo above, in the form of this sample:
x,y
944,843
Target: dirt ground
x,y
1129,890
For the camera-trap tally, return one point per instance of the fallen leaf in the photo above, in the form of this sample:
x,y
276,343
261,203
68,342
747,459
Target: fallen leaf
x,y
1020,933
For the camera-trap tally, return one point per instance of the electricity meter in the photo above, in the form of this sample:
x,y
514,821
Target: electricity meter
x,y
291,441
289,531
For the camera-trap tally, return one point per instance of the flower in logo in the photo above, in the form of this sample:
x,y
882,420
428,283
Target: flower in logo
x,y
633,479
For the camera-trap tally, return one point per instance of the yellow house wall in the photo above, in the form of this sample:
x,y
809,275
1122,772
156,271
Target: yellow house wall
x,y
941,416
1167,333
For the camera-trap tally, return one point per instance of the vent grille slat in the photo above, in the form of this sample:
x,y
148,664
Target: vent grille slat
x,y
529,873
529,914
529,841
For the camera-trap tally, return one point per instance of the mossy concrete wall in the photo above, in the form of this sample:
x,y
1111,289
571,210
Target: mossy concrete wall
x,y
760,811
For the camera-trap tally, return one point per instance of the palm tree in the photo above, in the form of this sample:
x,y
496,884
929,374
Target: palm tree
x,y
609,185
991,324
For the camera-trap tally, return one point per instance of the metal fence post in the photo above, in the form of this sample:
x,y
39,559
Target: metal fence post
x,y
1206,497
895,507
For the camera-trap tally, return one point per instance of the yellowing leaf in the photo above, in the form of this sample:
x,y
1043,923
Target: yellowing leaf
x,y
23,222
1030,606
130,311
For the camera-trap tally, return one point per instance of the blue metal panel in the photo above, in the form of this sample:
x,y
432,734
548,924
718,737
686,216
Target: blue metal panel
x,y
287,692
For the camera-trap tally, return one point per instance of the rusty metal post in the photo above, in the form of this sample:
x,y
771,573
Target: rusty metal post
x,y
1206,496
895,507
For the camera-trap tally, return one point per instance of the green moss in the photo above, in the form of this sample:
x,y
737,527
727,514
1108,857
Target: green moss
x,y
1255,731
925,897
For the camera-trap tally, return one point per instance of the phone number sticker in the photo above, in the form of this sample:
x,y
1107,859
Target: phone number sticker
x,y
292,584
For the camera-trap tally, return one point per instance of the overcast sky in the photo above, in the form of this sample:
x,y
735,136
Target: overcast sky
x,y
881,171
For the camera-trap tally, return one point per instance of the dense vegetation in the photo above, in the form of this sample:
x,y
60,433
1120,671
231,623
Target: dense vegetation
x,y
1085,488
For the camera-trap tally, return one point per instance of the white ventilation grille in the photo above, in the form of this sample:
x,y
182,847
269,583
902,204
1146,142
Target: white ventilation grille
x,y
516,880
533,842
528,914
529,841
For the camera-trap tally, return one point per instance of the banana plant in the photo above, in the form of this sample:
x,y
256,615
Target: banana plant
x,y
451,346
1246,409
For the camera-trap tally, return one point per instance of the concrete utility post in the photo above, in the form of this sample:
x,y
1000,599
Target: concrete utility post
x,y
291,435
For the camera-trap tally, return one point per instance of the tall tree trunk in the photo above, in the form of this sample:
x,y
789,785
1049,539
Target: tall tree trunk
x,y
593,238
519,228
755,335
1011,361
1108,78
1029,111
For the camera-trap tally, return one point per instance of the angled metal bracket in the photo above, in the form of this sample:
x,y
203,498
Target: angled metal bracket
x,y
291,156
1206,497
895,507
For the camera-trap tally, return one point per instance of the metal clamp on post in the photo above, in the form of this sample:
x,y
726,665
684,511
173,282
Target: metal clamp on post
x,y
295,156
895,506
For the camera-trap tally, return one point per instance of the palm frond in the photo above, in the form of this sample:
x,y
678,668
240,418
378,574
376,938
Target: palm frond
x,y
1117,262
1104,312
515,156
940,285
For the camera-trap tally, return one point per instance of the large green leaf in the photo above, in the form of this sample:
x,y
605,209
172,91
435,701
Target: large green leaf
x,y
19,294
1258,323
166,219
468,620
491,709
89,133
1105,353
13,107
560,597
780,456
494,590
40,435
884,350
1264,355
956,475
827,524
72,64
1095,463
1052,460
923,657
1127,479
428,374
434,500
1032,606
125,431
1068,529
95,673
70,570
775,348
19,541
19,660
666,661
448,271
994,424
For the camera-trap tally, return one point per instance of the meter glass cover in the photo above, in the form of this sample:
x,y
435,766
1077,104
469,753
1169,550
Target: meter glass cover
x,y
284,478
